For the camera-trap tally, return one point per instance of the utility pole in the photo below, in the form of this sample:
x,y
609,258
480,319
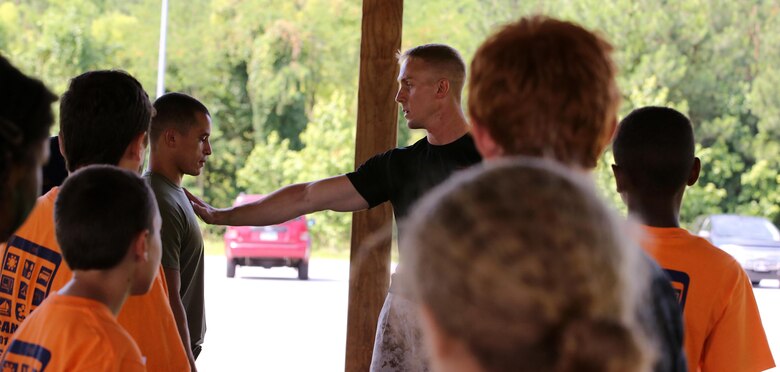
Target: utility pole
x,y
161,56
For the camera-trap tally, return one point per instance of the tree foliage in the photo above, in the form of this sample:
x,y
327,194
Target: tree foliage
x,y
280,79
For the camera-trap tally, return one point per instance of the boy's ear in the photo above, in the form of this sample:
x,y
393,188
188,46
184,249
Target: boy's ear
x,y
139,249
137,148
442,88
59,142
695,171
620,178
134,155
485,144
169,136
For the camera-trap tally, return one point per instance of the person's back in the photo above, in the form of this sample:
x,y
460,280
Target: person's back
x,y
546,88
112,256
546,283
86,337
91,134
654,163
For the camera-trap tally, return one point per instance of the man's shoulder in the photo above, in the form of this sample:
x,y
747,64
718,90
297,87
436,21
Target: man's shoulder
x,y
44,207
100,333
417,146
707,254
167,194
38,228
697,250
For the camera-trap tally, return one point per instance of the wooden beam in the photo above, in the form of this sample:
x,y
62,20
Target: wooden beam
x,y
369,274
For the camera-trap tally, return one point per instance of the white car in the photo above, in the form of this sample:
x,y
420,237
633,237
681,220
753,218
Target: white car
x,y
753,241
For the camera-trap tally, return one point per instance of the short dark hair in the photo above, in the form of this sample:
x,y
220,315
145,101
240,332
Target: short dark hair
x,y
654,146
100,114
25,116
445,60
100,209
175,110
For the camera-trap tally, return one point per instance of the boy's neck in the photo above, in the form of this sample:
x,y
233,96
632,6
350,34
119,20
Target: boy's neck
x,y
160,165
107,287
655,211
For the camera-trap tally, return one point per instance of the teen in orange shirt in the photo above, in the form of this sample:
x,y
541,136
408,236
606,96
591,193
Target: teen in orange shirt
x,y
104,119
654,162
113,256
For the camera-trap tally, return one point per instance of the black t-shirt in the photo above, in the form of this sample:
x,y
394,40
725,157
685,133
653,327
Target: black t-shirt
x,y
403,175
661,317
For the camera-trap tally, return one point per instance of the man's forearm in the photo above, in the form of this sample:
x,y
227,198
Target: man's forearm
x,y
173,278
181,325
335,193
283,205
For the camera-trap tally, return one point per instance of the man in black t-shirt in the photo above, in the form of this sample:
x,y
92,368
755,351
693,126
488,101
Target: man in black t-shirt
x,y
430,85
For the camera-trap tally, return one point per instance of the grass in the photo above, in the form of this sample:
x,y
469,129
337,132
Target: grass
x,y
213,247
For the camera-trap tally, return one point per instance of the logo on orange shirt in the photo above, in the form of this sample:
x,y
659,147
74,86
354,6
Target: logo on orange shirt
x,y
680,282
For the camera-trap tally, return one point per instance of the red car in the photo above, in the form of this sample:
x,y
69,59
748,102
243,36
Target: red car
x,y
285,244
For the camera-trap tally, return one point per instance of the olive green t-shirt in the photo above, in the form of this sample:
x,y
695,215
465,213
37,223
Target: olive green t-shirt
x,y
182,250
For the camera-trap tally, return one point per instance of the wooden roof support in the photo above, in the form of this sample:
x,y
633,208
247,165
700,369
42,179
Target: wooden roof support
x,y
377,118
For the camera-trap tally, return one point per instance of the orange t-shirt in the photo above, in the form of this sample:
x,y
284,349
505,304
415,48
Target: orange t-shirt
x,y
85,337
723,329
33,267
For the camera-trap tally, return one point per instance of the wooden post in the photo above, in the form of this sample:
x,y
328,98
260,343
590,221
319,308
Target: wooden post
x,y
369,274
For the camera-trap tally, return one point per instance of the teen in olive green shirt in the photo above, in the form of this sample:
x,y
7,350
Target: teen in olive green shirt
x,y
180,145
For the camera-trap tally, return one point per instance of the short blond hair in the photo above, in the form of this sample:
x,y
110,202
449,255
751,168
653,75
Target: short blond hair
x,y
443,59
540,281
544,87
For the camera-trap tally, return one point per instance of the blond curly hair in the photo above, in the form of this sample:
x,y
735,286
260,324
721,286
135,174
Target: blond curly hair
x,y
522,261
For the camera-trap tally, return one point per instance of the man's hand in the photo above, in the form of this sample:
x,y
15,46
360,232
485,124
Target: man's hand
x,y
206,212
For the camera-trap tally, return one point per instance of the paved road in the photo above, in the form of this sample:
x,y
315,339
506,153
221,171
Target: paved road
x,y
768,298
267,320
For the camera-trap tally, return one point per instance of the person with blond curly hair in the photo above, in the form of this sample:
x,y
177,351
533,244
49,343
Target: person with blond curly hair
x,y
508,283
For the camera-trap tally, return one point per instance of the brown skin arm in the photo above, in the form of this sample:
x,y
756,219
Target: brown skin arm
x,y
173,278
335,193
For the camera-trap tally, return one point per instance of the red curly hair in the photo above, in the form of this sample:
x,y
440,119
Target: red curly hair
x,y
545,87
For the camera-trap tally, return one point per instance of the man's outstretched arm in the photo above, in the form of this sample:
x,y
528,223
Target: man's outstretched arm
x,y
335,193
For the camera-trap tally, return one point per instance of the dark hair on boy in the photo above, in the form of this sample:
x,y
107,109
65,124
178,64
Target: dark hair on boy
x,y
100,114
176,110
655,148
444,59
100,209
25,115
